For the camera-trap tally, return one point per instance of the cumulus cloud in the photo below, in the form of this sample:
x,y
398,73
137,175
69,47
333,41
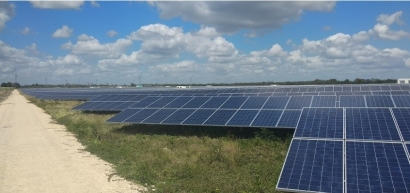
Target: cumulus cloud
x,y
68,60
112,33
57,4
88,45
6,13
63,32
26,31
229,17
382,28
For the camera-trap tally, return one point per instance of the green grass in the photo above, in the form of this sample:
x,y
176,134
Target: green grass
x,y
5,92
176,158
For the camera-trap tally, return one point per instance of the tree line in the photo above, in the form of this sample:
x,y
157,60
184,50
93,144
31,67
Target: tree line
x,y
9,84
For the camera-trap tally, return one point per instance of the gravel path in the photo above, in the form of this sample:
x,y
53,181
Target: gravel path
x,y
37,155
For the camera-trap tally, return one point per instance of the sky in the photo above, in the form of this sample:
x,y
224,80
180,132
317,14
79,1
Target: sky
x,y
123,42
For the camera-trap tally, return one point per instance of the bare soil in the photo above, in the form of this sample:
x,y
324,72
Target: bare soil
x,y
37,155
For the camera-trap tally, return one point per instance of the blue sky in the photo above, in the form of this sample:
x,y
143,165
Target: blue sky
x,y
209,42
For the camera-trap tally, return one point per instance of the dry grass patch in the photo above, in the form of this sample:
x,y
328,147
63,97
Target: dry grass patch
x,y
180,159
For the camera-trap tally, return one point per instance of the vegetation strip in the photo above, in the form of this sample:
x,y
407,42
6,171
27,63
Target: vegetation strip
x,y
176,158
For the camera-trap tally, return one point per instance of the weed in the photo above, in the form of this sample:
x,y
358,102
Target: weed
x,y
180,158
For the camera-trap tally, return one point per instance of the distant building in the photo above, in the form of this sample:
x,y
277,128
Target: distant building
x,y
403,81
183,87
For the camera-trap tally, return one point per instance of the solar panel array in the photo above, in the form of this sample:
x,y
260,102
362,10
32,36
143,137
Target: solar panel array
x,y
348,138
349,149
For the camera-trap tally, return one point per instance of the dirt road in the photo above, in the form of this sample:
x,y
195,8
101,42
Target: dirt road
x,y
39,156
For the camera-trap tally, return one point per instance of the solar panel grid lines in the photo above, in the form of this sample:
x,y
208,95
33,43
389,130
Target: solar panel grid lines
x,y
324,101
402,121
179,116
120,117
145,102
140,116
254,102
198,117
161,102
370,124
159,116
379,101
233,103
219,117
266,118
242,118
289,119
313,166
320,123
352,101
276,102
376,167
298,102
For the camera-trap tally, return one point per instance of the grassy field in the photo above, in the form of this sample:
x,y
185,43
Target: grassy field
x,y
176,158
5,92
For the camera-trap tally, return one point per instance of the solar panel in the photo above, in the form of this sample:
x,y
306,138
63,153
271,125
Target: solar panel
x,y
145,102
254,103
198,117
401,100
179,116
324,101
140,116
289,119
196,102
352,101
379,101
215,102
320,123
179,102
242,118
298,102
120,117
160,103
313,165
371,124
159,116
120,106
402,116
220,117
376,167
267,118
276,102
234,102
83,105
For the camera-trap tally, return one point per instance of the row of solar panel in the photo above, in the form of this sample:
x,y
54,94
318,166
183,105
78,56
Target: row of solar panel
x,y
319,166
99,96
316,88
355,124
210,117
277,102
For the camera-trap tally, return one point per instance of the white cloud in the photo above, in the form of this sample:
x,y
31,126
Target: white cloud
x,y
390,19
26,31
407,62
68,60
228,17
112,33
6,13
94,4
89,45
383,31
63,32
57,4
208,32
361,36
277,50
327,28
